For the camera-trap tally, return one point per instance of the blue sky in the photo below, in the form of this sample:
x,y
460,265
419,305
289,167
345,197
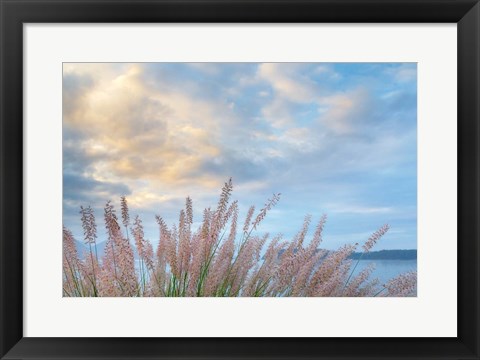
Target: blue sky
x,y
334,138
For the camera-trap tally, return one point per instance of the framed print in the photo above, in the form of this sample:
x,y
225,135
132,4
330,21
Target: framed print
x,y
238,179
279,112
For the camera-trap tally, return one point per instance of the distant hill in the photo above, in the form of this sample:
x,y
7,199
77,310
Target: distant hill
x,y
377,255
387,255
373,255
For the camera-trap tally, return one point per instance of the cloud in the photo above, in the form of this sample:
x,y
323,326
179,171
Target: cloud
x,y
406,72
288,82
344,113
279,113
83,190
358,209
74,87
337,138
133,132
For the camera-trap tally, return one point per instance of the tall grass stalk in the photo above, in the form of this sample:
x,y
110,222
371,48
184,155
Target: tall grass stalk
x,y
212,261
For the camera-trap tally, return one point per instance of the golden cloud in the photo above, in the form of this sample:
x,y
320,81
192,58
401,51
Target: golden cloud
x,y
133,131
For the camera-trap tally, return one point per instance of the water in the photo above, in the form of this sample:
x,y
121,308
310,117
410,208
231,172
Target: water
x,y
386,269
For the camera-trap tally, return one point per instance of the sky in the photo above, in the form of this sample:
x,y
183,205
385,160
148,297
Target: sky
x,y
333,138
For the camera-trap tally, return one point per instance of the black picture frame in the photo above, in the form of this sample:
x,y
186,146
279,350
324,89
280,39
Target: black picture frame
x,y
14,13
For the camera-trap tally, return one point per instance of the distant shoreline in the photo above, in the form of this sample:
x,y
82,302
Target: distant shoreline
x,y
386,255
399,254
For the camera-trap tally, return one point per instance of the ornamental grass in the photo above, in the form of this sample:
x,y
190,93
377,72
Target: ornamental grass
x,y
223,257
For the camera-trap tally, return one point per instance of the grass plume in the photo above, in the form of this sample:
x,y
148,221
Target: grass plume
x,y
220,258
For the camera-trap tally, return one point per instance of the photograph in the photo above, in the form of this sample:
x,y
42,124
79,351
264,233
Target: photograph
x,y
239,179
270,179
